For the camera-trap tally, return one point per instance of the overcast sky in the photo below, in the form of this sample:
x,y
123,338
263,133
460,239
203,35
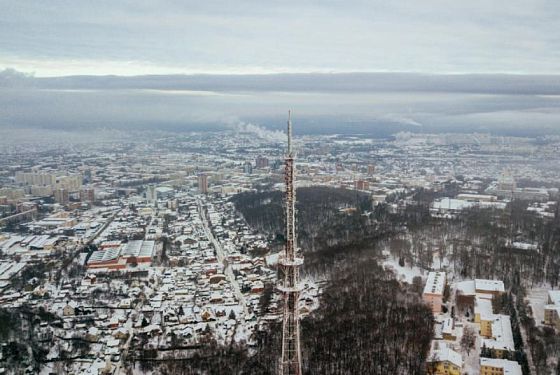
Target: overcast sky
x,y
425,65
174,36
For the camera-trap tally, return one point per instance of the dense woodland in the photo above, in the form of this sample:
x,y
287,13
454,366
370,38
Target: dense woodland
x,y
476,244
320,222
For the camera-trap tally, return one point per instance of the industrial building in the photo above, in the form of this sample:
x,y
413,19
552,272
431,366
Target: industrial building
x,y
119,257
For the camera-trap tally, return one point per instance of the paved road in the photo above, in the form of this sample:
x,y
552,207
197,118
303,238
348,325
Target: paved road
x,y
222,258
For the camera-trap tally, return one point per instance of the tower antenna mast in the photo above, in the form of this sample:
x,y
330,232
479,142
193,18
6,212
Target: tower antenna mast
x,y
290,263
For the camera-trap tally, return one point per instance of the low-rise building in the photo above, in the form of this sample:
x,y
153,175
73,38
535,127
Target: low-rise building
x,y
500,340
443,360
552,309
494,287
484,314
495,366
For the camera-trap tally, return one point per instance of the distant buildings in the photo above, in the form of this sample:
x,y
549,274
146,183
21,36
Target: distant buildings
x,y
61,196
362,185
261,162
164,192
151,196
70,182
248,167
448,207
153,193
506,187
506,182
433,291
87,195
203,183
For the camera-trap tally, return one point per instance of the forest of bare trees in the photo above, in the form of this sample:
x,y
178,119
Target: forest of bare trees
x,y
366,323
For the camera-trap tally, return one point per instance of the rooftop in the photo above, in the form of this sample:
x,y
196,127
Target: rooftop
x,y
502,336
489,285
435,283
509,367
445,354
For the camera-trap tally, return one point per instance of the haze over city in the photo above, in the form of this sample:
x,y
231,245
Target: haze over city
x,y
280,188
466,66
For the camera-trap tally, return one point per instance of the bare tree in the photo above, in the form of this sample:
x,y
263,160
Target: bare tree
x,y
468,340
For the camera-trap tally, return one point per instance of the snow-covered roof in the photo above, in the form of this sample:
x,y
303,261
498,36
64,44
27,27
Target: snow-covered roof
x,y
483,307
448,326
445,354
139,248
502,335
508,367
466,287
554,296
524,246
435,283
105,255
489,285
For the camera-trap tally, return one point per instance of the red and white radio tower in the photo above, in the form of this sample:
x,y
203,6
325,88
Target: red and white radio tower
x,y
290,263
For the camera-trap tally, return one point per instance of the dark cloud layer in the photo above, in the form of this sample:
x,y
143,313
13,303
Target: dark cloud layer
x,y
320,82
379,104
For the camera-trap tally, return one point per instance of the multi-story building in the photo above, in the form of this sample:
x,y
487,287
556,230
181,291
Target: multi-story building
x,y
495,366
71,182
87,195
433,291
61,196
442,360
41,191
484,313
151,196
500,337
203,183
362,185
506,182
248,167
261,162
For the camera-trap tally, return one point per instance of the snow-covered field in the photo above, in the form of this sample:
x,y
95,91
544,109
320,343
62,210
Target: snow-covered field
x,y
405,273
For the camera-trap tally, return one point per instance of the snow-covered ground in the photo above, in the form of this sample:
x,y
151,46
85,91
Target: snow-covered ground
x,y
405,273
472,360
537,299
